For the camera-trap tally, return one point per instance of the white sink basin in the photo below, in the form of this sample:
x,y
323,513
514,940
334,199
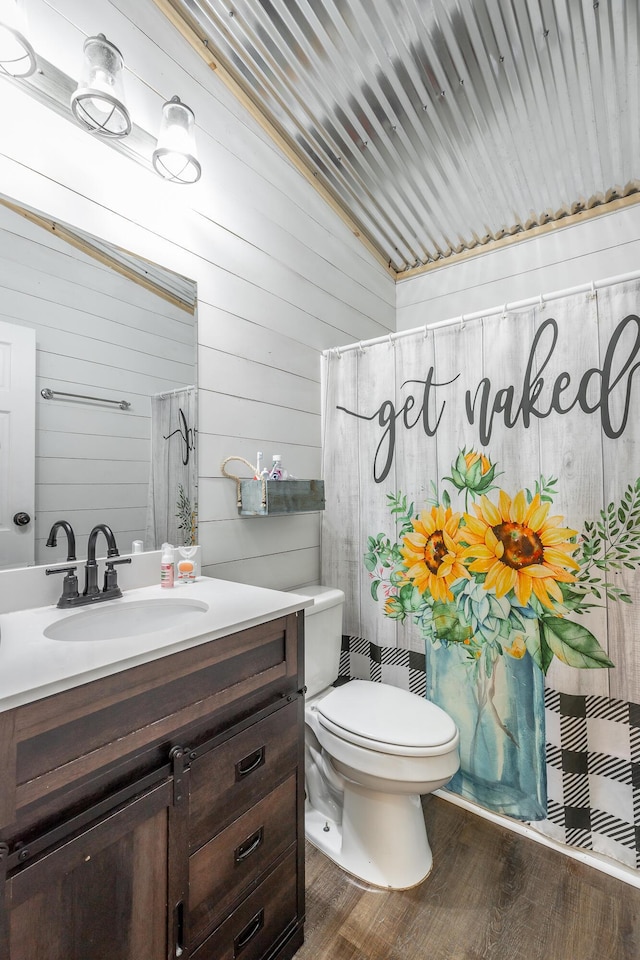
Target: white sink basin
x,y
112,620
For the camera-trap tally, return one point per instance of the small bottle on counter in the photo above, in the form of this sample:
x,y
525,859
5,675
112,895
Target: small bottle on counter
x,y
276,468
167,571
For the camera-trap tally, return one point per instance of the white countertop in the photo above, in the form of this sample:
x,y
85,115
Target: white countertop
x,y
33,666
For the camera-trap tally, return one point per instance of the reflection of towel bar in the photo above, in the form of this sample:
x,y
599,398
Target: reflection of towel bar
x,y
49,394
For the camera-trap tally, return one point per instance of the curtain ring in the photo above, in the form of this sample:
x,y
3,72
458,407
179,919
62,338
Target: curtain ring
x,y
593,290
462,321
541,301
360,347
338,354
426,331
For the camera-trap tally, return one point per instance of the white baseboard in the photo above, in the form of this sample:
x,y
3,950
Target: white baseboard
x,y
596,860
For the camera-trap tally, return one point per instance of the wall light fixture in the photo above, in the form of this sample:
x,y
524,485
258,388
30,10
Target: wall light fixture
x,y
175,157
98,102
17,56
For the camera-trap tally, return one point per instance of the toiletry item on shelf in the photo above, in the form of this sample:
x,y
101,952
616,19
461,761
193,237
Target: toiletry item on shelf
x,y
259,466
137,546
276,468
188,564
166,566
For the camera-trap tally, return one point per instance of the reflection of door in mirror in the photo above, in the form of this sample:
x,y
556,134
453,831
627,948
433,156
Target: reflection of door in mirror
x,y
17,443
111,332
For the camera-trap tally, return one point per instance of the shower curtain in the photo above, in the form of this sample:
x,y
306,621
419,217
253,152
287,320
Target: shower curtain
x,y
172,505
483,518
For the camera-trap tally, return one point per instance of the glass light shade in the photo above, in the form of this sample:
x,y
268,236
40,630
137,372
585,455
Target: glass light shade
x,y
98,102
17,56
175,156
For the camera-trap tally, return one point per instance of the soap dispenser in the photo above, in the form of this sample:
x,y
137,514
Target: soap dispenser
x,y
167,571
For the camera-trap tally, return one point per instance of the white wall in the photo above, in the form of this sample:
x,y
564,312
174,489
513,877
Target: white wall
x,y
605,246
279,276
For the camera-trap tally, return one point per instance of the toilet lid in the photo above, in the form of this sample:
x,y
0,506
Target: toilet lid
x,y
387,716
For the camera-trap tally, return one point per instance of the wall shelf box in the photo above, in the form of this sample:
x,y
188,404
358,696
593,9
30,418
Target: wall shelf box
x,y
276,497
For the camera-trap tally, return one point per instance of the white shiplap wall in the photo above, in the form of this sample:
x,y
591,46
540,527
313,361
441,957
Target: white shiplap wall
x,y
98,333
279,276
602,247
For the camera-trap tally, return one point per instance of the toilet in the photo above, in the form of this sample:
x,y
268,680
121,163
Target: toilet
x,y
371,750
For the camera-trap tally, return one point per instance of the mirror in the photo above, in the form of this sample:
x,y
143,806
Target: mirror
x,y
114,382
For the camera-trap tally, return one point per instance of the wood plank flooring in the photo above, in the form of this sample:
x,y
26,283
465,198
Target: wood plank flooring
x,y
491,895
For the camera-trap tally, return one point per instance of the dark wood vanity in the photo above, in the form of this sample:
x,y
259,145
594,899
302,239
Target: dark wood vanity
x,y
158,812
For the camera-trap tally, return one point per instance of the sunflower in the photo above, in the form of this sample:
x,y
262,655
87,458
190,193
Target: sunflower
x,y
432,552
520,548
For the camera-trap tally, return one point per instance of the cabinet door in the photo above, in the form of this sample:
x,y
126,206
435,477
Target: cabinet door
x,y
100,894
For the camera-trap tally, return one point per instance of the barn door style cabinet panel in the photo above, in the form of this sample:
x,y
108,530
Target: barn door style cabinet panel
x,y
158,812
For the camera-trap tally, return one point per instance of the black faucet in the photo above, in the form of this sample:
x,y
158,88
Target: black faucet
x,y
91,567
92,593
110,589
71,540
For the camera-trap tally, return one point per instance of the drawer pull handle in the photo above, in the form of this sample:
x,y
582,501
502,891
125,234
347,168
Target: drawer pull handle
x,y
249,846
250,763
255,924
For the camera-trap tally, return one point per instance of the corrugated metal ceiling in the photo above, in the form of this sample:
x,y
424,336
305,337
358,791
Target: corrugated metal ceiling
x,y
441,125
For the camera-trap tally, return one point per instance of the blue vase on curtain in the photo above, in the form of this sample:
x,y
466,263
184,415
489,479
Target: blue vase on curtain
x,y
499,712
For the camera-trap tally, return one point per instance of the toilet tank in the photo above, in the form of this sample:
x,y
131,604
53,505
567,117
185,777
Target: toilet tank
x,y
322,637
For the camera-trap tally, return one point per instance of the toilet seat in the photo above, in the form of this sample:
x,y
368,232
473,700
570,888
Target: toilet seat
x,y
387,719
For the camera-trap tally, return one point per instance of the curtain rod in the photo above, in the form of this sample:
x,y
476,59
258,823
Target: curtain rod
x,y
172,393
479,314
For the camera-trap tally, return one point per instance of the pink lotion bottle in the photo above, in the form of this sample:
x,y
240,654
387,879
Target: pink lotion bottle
x,y
167,569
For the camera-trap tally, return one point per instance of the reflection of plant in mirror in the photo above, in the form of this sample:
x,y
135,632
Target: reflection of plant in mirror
x,y
187,516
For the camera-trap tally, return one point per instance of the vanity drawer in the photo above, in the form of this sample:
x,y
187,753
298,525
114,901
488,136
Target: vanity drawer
x,y
259,922
235,775
225,866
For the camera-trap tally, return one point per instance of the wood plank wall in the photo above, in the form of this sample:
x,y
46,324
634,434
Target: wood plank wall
x,y
279,276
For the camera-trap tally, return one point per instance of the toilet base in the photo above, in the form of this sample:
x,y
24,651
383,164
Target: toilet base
x,y
382,839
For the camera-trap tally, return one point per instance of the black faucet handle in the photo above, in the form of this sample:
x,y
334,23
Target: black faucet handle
x,y
69,584
110,575
68,570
